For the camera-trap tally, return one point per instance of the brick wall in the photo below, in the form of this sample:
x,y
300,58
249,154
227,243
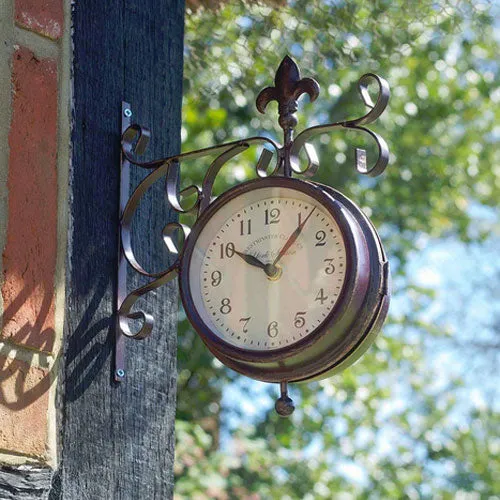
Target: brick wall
x,y
34,159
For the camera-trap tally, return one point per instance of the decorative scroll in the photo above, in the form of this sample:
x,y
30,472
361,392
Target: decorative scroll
x,y
375,111
125,312
289,86
134,142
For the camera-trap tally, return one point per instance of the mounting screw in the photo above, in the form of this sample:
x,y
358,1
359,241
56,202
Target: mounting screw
x,y
127,112
120,373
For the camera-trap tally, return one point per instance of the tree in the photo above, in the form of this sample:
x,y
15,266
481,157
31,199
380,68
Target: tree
x,y
384,428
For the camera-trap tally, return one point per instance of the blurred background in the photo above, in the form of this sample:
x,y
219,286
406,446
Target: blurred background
x,y
418,415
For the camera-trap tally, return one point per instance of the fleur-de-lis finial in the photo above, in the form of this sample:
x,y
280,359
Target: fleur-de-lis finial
x,y
288,87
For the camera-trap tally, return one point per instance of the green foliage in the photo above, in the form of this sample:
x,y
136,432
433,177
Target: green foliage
x,y
385,428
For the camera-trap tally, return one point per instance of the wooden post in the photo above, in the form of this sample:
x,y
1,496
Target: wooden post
x,y
118,439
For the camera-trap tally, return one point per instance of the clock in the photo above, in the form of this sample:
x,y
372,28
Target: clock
x,y
284,280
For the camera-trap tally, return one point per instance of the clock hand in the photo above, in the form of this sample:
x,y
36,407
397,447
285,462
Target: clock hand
x,y
292,238
250,259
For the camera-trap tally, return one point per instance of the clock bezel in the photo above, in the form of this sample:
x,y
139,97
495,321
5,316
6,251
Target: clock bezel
x,y
215,343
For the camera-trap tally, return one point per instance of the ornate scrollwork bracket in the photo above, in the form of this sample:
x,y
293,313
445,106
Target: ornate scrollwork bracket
x,y
289,86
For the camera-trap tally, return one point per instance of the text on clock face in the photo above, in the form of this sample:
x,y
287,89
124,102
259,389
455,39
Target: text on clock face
x,y
268,268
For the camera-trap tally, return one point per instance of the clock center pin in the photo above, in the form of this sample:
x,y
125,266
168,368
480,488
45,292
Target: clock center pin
x,y
273,272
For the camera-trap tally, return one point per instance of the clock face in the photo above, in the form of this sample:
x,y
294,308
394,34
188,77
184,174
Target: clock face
x,y
267,268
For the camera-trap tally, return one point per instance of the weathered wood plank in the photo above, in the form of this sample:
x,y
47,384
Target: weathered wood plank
x,y
24,482
118,440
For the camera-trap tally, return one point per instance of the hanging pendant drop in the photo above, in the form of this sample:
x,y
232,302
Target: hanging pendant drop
x,y
284,405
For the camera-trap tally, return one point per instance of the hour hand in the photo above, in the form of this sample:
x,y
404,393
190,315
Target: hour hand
x,y
250,259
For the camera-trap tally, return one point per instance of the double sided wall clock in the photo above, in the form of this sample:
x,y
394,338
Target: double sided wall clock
x,y
284,279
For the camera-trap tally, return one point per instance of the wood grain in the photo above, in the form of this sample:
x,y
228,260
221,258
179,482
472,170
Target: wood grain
x,y
118,439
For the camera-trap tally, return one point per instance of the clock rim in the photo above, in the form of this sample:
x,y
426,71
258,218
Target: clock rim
x,y
216,344
381,303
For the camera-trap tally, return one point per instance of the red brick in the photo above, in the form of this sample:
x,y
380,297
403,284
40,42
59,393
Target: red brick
x,y
24,399
45,17
30,252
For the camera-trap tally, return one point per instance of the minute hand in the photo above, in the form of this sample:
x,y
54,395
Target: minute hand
x,y
292,238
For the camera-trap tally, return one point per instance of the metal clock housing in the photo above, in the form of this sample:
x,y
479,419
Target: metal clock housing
x,y
349,327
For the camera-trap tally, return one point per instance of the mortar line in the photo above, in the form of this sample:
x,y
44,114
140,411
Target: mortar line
x,y
6,50
32,357
41,46
64,117
36,458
